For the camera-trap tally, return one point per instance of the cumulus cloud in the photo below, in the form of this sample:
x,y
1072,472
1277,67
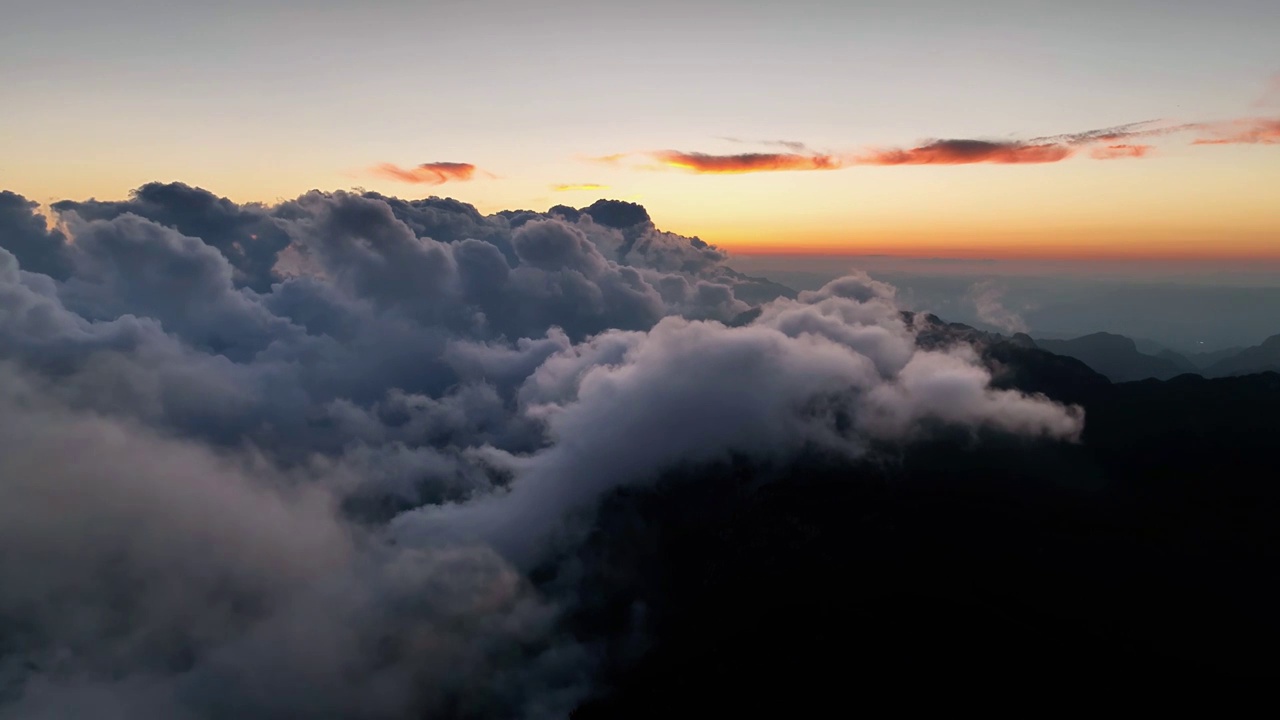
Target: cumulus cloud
x,y
837,368
432,173
24,233
159,578
247,235
298,460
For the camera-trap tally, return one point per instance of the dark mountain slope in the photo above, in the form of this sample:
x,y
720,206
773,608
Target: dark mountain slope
x,y
1259,358
1116,356
960,562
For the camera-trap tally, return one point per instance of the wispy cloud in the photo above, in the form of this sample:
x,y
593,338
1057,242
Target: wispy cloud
x,y
745,162
576,187
967,152
988,299
613,159
433,173
792,145
1249,131
1123,150
1109,134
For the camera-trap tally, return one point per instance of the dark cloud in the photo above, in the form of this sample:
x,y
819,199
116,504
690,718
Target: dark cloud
x,y
24,233
246,234
310,478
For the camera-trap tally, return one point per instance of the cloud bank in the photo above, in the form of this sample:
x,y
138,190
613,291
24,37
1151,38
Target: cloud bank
x,y
299,460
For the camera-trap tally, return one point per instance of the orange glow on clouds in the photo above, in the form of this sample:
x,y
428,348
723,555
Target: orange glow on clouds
x,y
966,152
745,162
433,173
1113,152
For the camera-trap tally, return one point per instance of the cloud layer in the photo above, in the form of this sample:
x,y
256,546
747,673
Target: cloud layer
x,y
297,460
1103,144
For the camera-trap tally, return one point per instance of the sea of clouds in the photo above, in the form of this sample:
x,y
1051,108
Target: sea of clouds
x,y
298,460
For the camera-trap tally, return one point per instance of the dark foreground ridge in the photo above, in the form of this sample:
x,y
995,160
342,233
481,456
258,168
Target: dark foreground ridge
x,y
1143,551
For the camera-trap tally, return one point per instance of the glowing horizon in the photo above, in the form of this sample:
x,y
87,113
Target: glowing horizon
x,y
845,136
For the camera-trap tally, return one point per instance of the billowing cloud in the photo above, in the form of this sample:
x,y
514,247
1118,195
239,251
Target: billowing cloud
x,y
1123,150
310,477
25,233
746,162
1249,131
433,173
844,350
579,187
966,152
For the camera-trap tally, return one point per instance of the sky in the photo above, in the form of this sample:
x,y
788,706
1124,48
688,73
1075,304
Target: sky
x,y
854,119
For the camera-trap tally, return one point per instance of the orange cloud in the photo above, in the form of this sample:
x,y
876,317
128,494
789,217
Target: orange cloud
x,y
965,152
579,186
434,173
1112,152
745,162
1250,131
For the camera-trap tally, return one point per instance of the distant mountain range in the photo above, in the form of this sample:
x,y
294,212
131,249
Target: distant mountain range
x,y
1119,359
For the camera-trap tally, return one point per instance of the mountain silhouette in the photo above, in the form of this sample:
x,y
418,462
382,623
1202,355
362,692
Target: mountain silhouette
x,y
1117,357
1259,358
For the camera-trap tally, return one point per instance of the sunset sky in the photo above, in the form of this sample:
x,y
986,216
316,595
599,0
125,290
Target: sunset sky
x,y
851,117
